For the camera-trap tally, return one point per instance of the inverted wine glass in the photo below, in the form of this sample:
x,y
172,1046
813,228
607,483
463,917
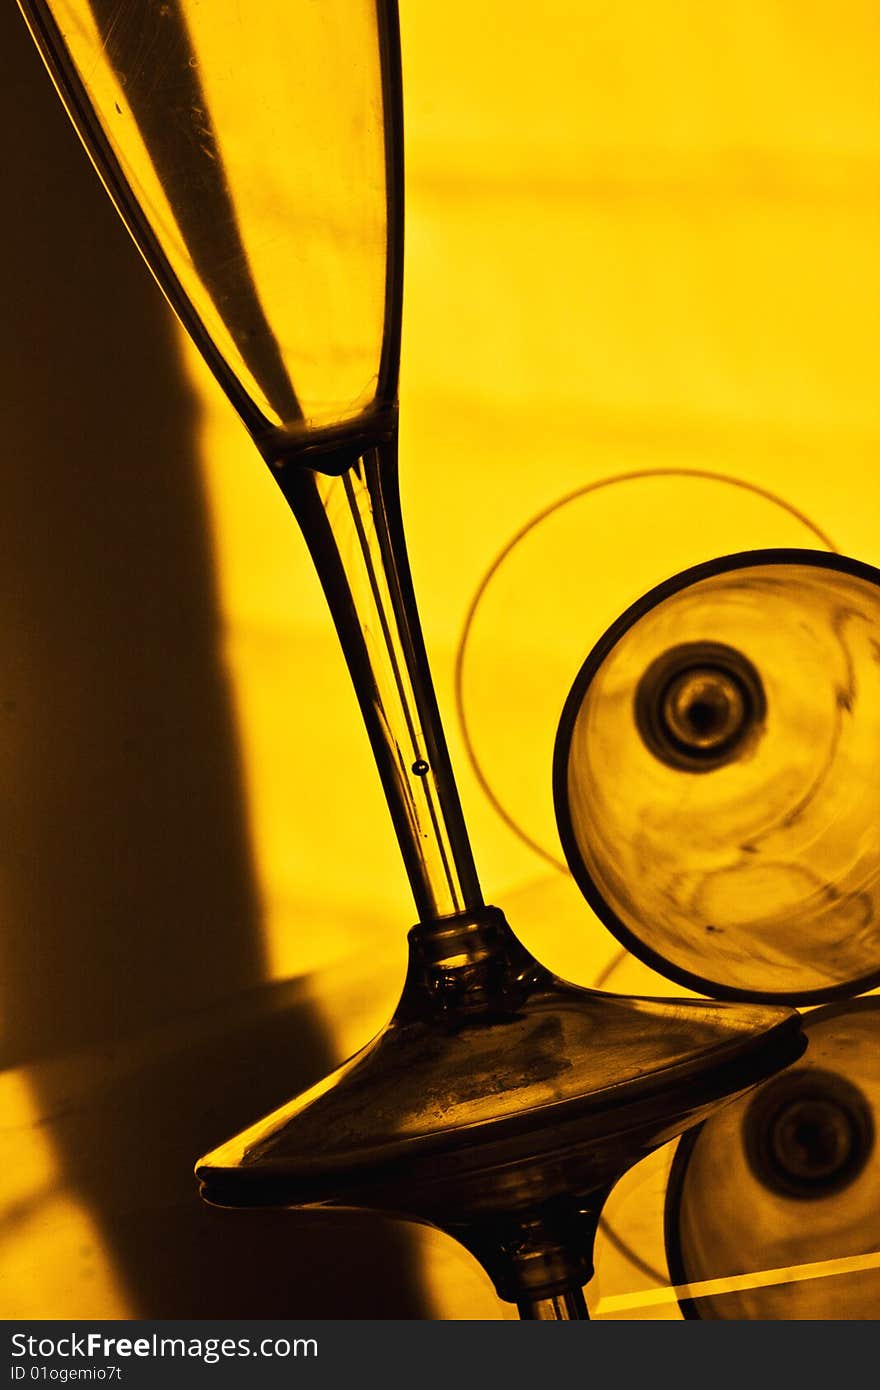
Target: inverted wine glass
x,y
771,1208
716,777
500,1102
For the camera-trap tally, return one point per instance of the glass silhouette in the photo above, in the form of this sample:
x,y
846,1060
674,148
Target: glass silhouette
x,y
784,1180
492,1067
283,270
555,587
716,777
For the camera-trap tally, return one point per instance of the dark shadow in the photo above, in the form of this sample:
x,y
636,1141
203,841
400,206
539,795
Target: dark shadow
x,y
128,897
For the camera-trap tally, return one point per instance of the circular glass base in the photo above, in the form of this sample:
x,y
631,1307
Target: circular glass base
x,y
505,1126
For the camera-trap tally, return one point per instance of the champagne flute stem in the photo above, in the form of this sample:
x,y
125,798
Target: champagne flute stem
x,y
561,1307
353,529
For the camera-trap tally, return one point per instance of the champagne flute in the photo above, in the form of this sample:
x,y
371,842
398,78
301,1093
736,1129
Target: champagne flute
x,y
257,162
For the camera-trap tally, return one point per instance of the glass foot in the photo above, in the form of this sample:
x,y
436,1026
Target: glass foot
x,y
500,1103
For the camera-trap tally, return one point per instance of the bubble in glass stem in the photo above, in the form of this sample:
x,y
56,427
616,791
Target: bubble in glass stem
x,y
420,767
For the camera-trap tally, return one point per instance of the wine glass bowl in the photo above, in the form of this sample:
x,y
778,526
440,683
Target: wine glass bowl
x,y
783,1179
716,777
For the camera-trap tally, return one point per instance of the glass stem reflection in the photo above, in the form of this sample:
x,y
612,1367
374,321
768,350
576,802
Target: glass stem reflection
x,y
561,1307
353,529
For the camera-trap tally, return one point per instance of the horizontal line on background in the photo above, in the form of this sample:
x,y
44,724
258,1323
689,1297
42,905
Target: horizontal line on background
x,y
569,416
726,175
736,1283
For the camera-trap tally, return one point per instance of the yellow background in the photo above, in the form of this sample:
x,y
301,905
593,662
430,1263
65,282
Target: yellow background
x,y
638,236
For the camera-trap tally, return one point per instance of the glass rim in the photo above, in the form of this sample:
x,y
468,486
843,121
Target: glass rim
x,y
343,443
677,583
678,1171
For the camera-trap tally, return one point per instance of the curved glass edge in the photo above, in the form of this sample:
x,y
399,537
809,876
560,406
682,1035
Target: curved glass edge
x,y
331,450
818,559
679,1275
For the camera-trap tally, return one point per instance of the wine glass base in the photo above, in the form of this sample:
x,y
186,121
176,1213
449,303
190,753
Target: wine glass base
x,y
501,1103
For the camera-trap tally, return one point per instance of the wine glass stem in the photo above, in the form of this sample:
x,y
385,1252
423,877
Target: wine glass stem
x,y
352,526
561,1307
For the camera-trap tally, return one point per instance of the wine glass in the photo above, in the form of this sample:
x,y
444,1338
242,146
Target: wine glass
x,y
715,777
771,1208
500,1102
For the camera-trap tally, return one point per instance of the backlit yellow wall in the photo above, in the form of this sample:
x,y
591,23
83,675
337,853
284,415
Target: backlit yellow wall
x,y
638,236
